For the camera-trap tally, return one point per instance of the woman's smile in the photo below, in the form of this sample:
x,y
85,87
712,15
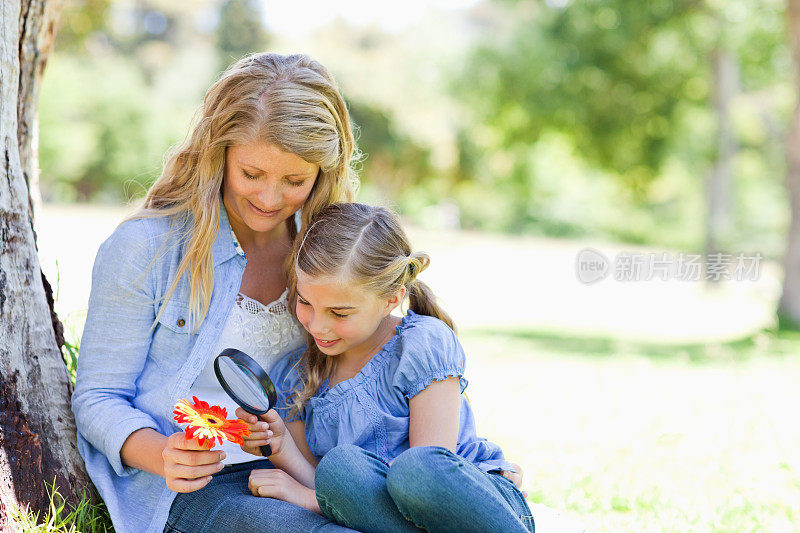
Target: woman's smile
x,y
261,212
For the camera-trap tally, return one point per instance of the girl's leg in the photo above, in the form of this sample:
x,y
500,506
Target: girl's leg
x,y
351,488
440,491
226,505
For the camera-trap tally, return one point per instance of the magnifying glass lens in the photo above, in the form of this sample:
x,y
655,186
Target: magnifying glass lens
x,y
244,384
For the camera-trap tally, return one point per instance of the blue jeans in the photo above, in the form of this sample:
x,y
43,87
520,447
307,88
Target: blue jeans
x,y
226,505
426,487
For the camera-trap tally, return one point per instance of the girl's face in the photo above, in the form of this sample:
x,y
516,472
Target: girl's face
x,y
341,317
263,185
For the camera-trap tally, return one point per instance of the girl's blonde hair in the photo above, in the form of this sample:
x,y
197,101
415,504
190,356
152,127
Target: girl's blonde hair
x,y
360,245
290,101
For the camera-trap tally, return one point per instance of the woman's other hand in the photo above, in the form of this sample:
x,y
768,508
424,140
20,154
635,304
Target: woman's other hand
x,y
515,477
269,429
187,465
275,483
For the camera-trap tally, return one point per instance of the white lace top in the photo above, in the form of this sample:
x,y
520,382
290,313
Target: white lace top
x,y
264,332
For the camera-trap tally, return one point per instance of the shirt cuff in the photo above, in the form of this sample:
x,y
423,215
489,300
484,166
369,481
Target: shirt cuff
x,y
497,465
116,436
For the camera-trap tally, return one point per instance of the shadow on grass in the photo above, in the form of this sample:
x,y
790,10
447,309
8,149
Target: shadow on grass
x,y
764,343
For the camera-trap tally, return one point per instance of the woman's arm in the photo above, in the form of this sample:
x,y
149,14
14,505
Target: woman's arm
x,y
143,449
434,415
114,349
185,465
115,344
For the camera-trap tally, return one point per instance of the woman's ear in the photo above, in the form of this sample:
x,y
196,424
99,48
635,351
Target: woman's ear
x,y
395,300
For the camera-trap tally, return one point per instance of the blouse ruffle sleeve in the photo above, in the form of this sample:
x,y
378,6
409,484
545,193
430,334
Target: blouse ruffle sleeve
x,y
430,351
286,378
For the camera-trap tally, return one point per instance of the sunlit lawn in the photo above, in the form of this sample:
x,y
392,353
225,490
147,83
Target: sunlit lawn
x,y
632,407
629,437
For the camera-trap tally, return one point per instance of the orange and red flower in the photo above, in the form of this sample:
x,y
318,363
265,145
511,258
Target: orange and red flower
x,y
207,423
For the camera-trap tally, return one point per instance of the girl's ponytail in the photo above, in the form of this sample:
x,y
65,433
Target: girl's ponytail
x,y
421,298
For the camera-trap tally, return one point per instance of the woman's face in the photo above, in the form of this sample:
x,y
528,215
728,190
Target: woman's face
x,y
263,185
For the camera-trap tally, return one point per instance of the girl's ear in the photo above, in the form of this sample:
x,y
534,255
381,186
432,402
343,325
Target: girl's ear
x,y
395,300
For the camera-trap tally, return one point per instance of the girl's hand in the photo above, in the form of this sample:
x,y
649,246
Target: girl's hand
x,y
515,477
274,483
187,465
269,430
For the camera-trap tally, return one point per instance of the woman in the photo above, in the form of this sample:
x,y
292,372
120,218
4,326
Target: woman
x,y
170,289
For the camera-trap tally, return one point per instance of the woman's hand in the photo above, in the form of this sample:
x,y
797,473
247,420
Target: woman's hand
x,y
274,483
187,465
515,477
269,430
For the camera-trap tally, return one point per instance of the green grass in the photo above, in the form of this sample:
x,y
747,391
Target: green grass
x,y
767,343
85,517
642,436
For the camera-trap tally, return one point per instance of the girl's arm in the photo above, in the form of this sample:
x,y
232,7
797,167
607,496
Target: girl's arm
x,y
297,429
301,463
274,483
290,451
293,478
435,414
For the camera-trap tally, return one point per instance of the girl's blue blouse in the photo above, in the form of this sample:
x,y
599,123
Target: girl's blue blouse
x,y
371,410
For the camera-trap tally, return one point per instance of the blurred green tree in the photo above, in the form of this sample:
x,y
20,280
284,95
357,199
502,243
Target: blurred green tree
x,y
392,162
240,31
102,137
632,85
79,19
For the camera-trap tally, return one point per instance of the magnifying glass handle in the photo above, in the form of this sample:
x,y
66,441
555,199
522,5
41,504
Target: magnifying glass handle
x,y
266,451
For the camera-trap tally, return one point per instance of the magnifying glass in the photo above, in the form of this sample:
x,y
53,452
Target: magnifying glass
x,y
246,383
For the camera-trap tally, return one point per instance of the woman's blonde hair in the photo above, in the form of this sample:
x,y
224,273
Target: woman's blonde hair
x,y
290,101
364,246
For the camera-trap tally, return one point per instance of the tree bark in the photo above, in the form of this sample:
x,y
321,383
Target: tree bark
x,y
789,306
37,429
720,182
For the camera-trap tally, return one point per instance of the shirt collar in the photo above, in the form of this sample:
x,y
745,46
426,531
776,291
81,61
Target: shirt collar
x,y
236,245
224,247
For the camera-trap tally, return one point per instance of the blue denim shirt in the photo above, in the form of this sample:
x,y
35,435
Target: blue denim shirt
x,y
371,409
130,375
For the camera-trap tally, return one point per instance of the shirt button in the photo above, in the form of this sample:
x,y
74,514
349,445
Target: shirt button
x,y
181,322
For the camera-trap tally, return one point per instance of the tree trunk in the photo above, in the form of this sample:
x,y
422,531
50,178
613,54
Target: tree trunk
x,y
37,430
720,182
789,307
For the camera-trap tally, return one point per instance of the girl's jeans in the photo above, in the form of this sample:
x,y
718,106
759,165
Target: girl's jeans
x,y
426,487
226,505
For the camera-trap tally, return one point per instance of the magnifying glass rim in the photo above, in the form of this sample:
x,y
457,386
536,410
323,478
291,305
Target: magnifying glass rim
x,y
252,365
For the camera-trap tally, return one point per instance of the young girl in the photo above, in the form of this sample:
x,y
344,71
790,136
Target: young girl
x,y
378,398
